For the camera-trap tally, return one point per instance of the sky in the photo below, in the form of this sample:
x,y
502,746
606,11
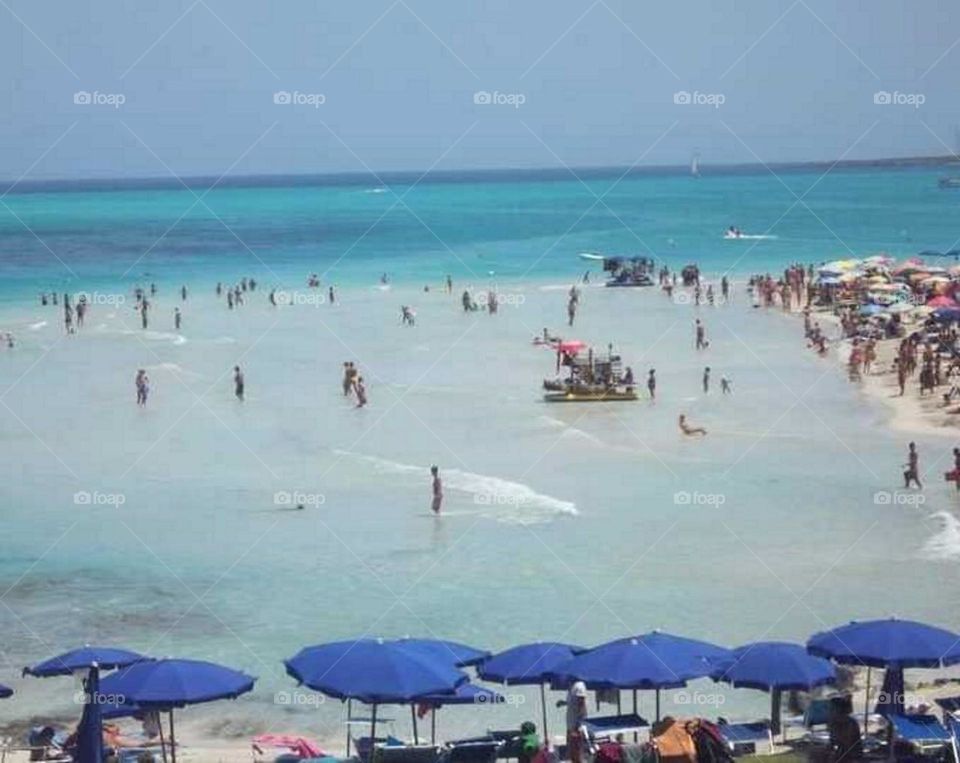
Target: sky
x,y
161,88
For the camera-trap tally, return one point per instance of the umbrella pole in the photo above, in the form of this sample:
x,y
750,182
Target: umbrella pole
x,y
775,715
163,746
347,754
658,705
173,740
635,736
373,726
433,725
413,720
543,706
619,711
866,703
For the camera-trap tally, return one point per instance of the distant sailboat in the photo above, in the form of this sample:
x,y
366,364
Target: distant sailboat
x,y
695,165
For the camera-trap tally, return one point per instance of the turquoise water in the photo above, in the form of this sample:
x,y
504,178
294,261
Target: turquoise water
x,y
578,523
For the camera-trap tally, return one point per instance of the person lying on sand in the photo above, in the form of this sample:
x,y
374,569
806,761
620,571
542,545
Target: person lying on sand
x,y
689,430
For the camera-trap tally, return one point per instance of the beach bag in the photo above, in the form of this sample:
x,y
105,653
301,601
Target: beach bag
x,y
673,742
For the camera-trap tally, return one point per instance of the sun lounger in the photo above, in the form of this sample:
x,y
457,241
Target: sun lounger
x,y
746,737
924,732
424,753
472,752
608,726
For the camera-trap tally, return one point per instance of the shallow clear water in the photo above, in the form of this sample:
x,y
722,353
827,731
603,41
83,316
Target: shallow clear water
x,y
561,521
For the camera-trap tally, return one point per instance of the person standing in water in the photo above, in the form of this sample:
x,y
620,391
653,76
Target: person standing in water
x,y
176,318
331,296
706,380
219,288
361,390
449,285
238,382
725,387
912,474
183,293
143,387
701,334
143,312
437,490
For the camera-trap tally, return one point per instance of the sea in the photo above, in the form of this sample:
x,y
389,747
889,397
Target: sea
x,y
205,527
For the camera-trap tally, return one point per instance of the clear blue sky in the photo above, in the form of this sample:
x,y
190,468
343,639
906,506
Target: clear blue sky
x,y
598,79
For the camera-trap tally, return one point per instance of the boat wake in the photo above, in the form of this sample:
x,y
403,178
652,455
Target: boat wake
x,y
946,543
570,431
493,497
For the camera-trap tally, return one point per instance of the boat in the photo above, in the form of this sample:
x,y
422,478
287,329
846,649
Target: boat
x,y
695,165
591,379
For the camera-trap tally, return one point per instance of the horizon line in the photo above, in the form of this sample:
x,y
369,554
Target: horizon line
x,y
474,174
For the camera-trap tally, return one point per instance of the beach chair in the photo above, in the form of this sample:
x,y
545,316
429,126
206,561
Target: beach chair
x,y
746,738
924,732
423,753
609,726
478,751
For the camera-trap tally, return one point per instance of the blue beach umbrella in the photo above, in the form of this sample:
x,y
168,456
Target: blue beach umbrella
x,y
891,643
438,649
90,730
5,691
91,659
374,672
84,658
890,701
651,661
528,664
774,666
164,685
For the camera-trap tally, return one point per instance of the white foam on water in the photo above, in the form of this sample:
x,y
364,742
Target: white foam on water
x,y
37,326
946,543
571,431
173,368
224,340
501,499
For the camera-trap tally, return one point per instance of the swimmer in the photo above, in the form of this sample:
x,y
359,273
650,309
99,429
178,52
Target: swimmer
x,y
238,382
689,430
437,490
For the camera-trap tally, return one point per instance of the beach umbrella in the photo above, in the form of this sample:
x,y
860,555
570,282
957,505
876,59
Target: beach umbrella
x,y
651,661
528,664
164,685
84,658
890,701
945,314
5,691
90,730
465,694
888,643
459,654
774,666
374,672
89,659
